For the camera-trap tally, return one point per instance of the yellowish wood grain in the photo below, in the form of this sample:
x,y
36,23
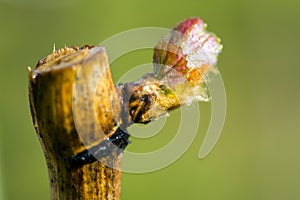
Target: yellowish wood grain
x,y
76,82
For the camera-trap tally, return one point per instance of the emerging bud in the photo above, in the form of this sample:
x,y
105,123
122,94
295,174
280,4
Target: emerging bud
x,y
182,61
183,58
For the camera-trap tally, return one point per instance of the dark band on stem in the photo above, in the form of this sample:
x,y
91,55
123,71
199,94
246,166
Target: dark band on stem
x,y
115,143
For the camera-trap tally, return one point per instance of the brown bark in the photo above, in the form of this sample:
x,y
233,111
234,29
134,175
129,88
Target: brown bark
x,y
75,108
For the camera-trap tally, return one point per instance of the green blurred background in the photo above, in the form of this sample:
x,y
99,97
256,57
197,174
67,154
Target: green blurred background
x,y
258,154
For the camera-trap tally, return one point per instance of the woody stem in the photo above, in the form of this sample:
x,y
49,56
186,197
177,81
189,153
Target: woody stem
x,y
73,116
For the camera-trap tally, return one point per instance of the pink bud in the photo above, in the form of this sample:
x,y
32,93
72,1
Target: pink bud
x,y
185,55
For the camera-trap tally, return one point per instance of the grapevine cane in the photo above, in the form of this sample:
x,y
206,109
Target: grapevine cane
x,y
81,117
